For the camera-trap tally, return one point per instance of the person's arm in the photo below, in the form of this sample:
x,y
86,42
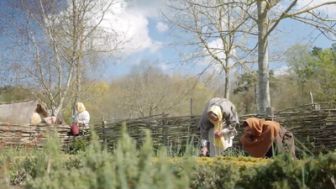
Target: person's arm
x,y
204,126
229,132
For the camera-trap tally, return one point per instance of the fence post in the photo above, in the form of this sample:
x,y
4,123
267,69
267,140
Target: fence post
x,y
191,106
270,113
104,134
191,116
164,129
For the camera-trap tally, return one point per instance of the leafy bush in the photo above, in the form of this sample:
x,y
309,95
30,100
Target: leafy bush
x,y
280,172
129,167
126,167
77,145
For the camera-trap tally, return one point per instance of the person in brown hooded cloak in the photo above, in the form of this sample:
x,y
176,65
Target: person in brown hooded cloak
x,y
263,138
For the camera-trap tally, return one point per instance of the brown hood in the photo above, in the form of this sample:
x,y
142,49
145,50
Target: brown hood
x,y
258,136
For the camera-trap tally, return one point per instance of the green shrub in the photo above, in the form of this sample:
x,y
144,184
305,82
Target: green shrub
x,y
284,172
126,167
281,172
129,167
77,145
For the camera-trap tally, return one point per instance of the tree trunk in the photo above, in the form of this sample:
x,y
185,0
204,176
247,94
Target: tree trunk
x,y
65,92
226,69
226,85
263,98
78,82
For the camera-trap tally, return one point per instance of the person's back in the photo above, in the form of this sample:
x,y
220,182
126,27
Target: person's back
x,y
284,143
262,138
217,126
82,116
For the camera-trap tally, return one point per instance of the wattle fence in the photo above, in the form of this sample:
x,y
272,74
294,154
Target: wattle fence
x,y
165,131
31,136
313,125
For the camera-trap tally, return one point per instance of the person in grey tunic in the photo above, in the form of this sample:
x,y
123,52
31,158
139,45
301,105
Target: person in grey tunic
x,y
217,126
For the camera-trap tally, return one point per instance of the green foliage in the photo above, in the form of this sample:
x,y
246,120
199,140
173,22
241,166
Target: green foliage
x,y
321,172
182,148
218,176
129,167
94,167
281,172
78,144
244,92
285,172
314,71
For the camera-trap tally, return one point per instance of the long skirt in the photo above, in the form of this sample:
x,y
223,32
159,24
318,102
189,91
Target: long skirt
x,y
227,142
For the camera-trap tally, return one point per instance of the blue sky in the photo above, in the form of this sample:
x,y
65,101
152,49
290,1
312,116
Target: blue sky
x,y
150,40
167,57
158,41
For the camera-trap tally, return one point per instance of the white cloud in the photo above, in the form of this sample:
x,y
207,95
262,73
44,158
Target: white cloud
x,y
216,47
132,25
161,27
125,23
215,68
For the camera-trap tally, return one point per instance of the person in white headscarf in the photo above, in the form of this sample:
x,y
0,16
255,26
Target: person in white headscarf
x,y
82,117
217,126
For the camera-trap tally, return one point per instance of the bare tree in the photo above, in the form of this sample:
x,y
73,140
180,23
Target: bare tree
x,y
269,15
219,28
147,91
206,18
61,36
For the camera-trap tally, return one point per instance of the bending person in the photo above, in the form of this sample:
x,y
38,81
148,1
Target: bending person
x,y
265,138
217,126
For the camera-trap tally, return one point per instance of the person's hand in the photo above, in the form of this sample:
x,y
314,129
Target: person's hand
x,y
234,131
218,134
50,120
204,151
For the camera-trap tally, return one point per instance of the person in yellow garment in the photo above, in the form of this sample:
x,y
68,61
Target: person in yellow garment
x,y
262,138
217,126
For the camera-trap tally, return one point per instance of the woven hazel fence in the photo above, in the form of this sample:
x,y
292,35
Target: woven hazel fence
x,y
32,135
314,128
165,131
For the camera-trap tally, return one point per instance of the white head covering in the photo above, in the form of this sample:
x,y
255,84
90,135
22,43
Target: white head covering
x,y
217,111
80,107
